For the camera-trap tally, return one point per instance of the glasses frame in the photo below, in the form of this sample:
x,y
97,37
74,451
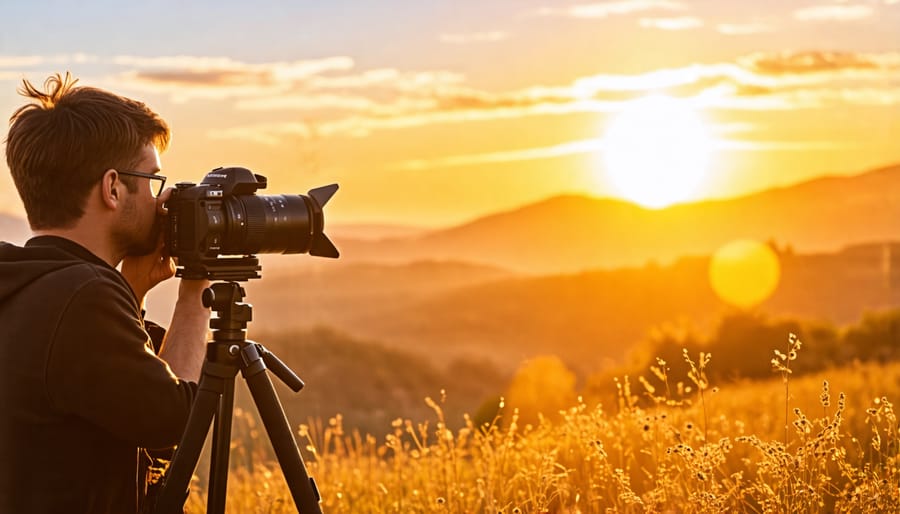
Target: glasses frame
x,y
151,176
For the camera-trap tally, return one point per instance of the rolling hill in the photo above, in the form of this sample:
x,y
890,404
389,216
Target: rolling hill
x,y
573,233
590,319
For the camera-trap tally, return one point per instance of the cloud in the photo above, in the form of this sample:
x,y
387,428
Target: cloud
x,y
24,61
779,81
744,29
307,102
679,23
782,146
590,146
607,9
270,134
843,12
812,62
528,154
279,70
336,99
188,77
473,37
390,79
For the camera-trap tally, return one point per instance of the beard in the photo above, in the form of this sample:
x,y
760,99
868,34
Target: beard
x,y
146,245
140,236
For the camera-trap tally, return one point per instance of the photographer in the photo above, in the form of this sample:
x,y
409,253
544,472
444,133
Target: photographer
x,y
83,392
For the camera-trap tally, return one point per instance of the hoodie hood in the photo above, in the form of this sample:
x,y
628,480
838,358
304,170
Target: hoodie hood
x,y
20,266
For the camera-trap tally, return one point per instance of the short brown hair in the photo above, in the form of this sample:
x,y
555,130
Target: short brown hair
x,y
60,144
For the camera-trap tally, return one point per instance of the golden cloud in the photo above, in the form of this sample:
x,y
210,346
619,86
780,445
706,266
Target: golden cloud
x,y
810,62
844,12
607,9
349,102
679,23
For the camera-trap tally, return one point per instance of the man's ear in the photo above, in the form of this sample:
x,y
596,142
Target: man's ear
x,y
110,189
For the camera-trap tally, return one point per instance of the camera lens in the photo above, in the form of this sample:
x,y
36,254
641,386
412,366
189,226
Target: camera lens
x,y
267,224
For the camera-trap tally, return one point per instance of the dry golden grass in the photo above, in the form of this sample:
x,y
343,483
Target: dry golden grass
x,y
823,443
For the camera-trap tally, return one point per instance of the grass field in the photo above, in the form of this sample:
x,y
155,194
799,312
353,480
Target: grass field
x,y
817,443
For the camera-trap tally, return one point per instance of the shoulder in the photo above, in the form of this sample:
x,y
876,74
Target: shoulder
x,y
88,279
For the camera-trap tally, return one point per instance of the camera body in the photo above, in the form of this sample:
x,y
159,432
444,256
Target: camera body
x,y
216,227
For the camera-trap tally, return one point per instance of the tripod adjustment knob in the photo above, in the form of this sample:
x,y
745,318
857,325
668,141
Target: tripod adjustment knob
x,y
208,297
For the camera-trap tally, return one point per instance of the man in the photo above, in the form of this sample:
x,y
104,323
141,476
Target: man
x,y
83,393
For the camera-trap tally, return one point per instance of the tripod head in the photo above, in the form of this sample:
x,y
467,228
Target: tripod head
x,y
229,331
225,298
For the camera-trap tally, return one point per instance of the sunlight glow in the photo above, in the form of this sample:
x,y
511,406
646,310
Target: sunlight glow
x,y
657,151
744,273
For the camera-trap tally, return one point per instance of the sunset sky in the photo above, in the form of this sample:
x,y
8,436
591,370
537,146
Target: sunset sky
x,y
434,113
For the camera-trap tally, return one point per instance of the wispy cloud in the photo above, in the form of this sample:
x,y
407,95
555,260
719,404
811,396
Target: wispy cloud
x,y
806,63
615,8
188,77
841,12
473,37
527,154
744,29
678,23
782,146
597,145
24,61
337,99
271,134
762,81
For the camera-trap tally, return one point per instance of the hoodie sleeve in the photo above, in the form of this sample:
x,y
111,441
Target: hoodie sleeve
x,y
102,368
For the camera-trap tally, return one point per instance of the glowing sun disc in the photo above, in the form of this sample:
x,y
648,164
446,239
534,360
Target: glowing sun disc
x,y
744,273
657,151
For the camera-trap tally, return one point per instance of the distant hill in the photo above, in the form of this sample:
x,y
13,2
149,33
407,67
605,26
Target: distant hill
x,y
572,233
339,293
371,231
371,385
591,319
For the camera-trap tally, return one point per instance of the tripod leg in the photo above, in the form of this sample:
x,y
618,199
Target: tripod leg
x,y
221,447
172,495
303,489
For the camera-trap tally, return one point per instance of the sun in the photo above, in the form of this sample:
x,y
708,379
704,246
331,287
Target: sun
x,y
656,151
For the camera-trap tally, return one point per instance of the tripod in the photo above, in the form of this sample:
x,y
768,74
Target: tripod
x,y
226,354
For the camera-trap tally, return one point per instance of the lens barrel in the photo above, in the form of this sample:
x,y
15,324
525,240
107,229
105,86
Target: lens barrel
x,y
267,224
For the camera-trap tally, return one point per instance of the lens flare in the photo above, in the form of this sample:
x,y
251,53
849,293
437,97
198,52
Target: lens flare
x,y
744,273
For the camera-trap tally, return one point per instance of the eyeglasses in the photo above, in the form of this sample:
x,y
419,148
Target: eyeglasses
x,y
160,178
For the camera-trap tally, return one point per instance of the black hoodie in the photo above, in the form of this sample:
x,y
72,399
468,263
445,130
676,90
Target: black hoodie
x,y
81,390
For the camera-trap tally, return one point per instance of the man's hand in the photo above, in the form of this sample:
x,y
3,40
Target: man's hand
x,y
144,272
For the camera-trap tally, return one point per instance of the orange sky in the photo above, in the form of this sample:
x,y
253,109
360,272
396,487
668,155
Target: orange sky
x,y
437,114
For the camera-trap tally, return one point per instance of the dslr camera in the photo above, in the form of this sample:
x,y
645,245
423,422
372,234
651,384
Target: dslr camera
x,y
216,228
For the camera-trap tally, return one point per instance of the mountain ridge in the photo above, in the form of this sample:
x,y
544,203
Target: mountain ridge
x,y
577,232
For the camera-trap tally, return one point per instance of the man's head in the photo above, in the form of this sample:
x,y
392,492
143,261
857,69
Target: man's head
x,y
62,143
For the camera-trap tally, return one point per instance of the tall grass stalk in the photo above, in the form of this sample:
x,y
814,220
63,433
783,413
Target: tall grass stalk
x,y
648,455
